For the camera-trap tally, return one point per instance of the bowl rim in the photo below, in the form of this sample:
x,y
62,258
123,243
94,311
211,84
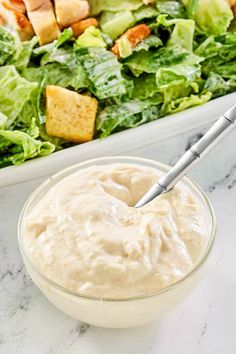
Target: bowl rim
x,y
65,173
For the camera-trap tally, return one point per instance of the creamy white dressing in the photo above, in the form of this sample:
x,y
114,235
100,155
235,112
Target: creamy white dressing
x,y
86,235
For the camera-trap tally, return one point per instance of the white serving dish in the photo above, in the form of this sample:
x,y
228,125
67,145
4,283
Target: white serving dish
x,y
120,143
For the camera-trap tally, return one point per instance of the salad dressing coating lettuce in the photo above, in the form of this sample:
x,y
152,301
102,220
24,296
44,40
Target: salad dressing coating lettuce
x,y
218,86
127,115
173,9
103,70
150,62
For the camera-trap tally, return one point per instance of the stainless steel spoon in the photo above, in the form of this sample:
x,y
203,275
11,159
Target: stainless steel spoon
x,y
213,136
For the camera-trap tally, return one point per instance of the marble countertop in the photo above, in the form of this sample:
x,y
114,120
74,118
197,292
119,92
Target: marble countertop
x,y
204,324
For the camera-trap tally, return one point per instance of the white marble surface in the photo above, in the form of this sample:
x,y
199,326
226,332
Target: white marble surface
x,y
204,324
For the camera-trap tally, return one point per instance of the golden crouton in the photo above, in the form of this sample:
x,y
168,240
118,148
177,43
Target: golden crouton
x,y
42,17
134,35
70,11
231,2
17,20
79,27
69,115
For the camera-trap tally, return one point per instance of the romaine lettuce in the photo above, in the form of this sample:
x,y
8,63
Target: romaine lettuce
x,y
97,6
218,86
145,86
91,37
183,31
172,8
128,114
145,12
18,146
150,42
103,70
3,120
13,51
212,16
183,103
115,24
217,51
7,45
15,91
150,62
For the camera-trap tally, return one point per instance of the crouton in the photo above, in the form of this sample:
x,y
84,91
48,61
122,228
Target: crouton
x,y
16,20
134,35
70,11
42,17
69,115
234,10
231,2
79,27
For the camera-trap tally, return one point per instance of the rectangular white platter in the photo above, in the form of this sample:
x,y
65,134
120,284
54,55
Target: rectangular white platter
x,y
120,143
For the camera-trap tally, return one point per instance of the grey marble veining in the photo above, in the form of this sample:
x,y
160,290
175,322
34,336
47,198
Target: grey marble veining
x,y
204,324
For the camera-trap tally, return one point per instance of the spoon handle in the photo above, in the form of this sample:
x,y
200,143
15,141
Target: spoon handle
x,y
213,136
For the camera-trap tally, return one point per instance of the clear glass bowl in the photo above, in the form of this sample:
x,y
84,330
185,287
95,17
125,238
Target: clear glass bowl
x,y
118,313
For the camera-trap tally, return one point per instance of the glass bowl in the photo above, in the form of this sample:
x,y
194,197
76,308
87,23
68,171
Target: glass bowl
x,y
122,312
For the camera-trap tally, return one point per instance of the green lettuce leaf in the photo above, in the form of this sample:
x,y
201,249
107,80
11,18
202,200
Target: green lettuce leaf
x,y
148,43
218,86
174,9
227,71
7,45
15,91
176,74
183,31
150,62
91,37
97,6
13,51
183,103
212,16
31,110
145,12
103,70
145,86
217,51
176,82
126,115
71,74
22,58
124,46
17,146
116,23
3,120
52,52
191,7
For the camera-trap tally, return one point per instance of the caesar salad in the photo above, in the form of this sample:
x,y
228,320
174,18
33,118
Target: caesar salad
x,y
74,71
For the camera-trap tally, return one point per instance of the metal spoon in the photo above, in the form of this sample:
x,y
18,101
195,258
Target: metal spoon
x,y
213,136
